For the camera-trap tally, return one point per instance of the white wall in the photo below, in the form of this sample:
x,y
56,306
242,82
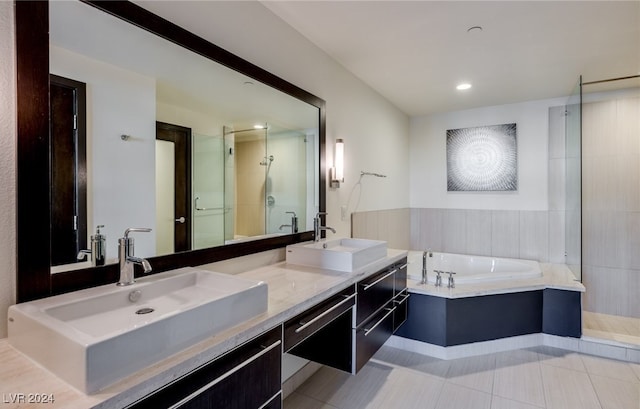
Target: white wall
x,y
120,174
375,132
7,163
428,166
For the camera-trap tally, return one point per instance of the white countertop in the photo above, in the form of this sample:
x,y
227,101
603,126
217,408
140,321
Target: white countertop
x,y
292,289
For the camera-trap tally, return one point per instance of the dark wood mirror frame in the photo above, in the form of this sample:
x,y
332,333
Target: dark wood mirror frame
x,y
34,279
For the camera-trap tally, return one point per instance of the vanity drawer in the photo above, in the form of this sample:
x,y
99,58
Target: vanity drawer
x,y
400,277
374,292
306,324
371,335
401,301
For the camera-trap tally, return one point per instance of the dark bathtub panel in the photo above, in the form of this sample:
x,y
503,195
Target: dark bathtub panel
x,y
490,317
426,320
562,313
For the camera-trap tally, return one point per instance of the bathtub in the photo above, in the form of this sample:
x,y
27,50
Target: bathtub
x,y
471,269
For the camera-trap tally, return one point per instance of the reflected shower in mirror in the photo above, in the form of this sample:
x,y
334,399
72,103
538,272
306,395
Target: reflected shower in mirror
x,y
171,144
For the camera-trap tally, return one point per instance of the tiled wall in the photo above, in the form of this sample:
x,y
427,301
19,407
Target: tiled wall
x,y
501,233
390,225
611,206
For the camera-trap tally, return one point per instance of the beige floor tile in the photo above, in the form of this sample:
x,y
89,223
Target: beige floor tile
x,y
559,357
364,390
615,393
565,388
459,397
323,384
518,356
518,377
636,369
411,360
300,401
609,368
408,389
473,372
501,403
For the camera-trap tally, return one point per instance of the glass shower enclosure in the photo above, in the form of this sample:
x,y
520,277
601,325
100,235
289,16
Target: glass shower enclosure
x,y
573,181
248,183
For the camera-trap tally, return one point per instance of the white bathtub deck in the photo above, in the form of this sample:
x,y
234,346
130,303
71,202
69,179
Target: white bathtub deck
x,y
556,276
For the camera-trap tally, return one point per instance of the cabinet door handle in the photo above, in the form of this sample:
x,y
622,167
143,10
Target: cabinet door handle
x,y
403,299
366,287
368,330
403,266
306,324
225,375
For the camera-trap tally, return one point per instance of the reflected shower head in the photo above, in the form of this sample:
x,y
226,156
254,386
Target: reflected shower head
x,y
378,175
264,161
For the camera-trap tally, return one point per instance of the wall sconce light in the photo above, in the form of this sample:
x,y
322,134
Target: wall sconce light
x,y
337,171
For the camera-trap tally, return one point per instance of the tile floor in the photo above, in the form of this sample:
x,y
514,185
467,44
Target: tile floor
x,y
540,377
614,327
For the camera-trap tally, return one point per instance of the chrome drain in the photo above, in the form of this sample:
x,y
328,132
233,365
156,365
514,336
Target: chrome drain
x,y
145,311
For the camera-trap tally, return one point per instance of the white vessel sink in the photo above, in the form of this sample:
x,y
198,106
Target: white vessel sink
x,y
345,255
92,338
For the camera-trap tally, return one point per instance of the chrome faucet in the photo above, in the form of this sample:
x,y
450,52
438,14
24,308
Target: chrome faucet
x,y
425,254
317,227
451,283
438,278
294,223
127,260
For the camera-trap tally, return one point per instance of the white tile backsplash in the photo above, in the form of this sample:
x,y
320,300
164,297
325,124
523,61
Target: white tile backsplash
x,y
505,233
454,230
557,237
557,184
534,235
479,232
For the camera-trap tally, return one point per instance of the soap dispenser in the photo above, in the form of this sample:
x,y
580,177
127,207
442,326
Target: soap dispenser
x,y
99,247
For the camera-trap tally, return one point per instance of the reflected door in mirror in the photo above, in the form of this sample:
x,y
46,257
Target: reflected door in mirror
x,y
173,188
68,170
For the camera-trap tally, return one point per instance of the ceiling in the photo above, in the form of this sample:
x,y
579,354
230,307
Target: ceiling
x,y
414,53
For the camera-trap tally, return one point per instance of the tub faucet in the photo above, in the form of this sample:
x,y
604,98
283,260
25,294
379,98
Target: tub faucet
x,y
451,283
425,254
317,227
127,260
438,278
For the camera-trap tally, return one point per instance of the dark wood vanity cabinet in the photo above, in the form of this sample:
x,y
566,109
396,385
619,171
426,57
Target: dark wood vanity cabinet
x,y
332,334
248,376
372,334
374,293
323,333
381,309
400,296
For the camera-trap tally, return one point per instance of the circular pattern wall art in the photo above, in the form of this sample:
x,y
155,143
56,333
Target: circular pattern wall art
x,y
482,159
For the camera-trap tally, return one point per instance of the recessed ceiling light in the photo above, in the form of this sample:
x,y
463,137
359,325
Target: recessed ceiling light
x,y
463,86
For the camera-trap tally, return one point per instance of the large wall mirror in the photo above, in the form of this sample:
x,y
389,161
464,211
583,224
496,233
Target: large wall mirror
x,y
151,126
